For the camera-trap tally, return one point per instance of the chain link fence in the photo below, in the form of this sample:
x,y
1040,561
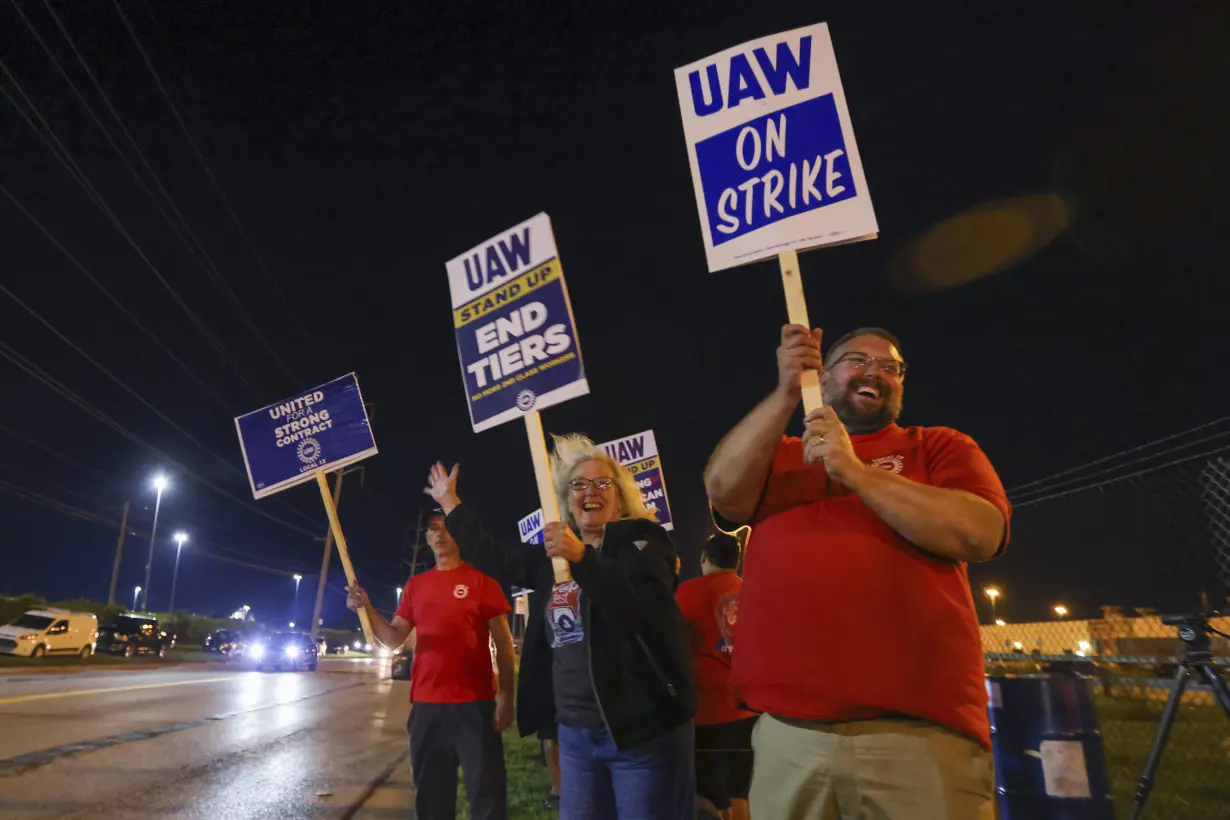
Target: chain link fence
x,y
1098,559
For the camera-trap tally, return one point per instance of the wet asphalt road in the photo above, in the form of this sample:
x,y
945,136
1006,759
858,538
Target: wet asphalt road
x,y
196,741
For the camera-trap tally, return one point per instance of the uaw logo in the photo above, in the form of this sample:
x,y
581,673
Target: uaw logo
x,y
309,450
460,591
526,400
726,612
893,463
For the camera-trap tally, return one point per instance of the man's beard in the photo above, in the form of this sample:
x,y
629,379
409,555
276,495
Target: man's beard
x,y
860,421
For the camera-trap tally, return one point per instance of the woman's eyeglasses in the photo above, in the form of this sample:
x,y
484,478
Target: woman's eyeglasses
x,y
580,484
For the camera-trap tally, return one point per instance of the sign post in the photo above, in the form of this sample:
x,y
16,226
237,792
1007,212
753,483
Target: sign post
x,y
775,167
516,339
639,453
301,439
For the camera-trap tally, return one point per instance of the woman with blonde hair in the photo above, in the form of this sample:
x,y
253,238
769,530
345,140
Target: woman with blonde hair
x,y
606,653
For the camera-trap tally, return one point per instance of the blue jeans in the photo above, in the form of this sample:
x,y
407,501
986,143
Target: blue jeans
x,y
654,781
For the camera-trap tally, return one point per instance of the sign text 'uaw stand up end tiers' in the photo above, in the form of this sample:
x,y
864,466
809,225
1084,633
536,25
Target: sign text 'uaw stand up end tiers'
x,y
517,339
775,167
301,439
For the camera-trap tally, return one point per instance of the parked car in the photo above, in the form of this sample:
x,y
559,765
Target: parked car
x,y
42,632
284,650
131,635
338,648
228,642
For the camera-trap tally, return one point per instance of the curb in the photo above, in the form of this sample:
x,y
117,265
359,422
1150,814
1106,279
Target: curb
x,y
376,783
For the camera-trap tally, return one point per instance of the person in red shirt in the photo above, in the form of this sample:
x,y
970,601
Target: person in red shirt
x,y
457,715
710,604
857,630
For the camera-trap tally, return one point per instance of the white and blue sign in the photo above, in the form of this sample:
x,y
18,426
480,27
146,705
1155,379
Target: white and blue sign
x,y
774,163
322,429
639,453
530,528
516,338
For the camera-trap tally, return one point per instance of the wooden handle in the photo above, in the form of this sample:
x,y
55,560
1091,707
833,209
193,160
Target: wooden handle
x,y
336,527
796,310
546,492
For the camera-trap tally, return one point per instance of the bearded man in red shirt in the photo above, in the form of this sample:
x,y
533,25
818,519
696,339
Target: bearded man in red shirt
x,y
857,634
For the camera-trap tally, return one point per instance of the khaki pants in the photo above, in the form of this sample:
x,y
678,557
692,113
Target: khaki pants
x,y
869,770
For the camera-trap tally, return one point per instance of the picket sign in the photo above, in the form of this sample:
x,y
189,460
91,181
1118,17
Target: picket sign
x,y
775,166
305,437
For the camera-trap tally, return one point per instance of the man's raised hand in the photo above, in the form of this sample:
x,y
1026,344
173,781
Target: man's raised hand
x,y
442,486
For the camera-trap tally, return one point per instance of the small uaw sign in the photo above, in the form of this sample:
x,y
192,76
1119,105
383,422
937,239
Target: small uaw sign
x,y
530,528
322,429
639,453
774,163
775,167
516,338
303,438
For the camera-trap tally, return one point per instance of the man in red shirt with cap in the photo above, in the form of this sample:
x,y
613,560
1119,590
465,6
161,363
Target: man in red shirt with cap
x,y
457,714
710,604
858,638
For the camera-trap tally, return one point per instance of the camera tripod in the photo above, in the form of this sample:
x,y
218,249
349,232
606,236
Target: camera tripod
x,y
1194,631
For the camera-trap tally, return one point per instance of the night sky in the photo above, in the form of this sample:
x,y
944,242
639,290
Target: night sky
x,y
360,149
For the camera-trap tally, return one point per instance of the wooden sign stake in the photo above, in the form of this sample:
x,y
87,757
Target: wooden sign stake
x,y
336,526
546,492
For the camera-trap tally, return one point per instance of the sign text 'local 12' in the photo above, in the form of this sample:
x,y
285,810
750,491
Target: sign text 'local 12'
x,y
516,337
774,163
287,443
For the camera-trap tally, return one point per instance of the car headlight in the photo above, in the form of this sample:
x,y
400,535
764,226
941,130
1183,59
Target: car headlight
x,y
367,647
358,644
257,652
291,652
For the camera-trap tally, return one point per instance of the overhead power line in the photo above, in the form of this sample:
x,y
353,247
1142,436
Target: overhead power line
x,y
205,167
83,180
204,261
42,376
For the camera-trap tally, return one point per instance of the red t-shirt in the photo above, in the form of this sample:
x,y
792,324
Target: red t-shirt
x,y
449,610
711,605
841,618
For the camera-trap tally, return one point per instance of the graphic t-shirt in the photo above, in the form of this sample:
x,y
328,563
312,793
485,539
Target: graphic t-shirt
x,y
711,606
575,702
449,610
840,617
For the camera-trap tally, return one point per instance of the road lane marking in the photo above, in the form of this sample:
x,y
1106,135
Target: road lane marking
x,y
72,693
21,763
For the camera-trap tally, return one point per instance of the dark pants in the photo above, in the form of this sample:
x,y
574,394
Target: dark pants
x,y
654,781
724,761
443,735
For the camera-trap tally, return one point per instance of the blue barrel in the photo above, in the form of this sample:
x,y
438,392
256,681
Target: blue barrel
x,y
1049,762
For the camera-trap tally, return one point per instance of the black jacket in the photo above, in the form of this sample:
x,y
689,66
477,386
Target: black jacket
x,y
640,657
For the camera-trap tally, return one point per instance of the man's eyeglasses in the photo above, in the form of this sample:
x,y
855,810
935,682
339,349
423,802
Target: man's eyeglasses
x,y
579,484
886,365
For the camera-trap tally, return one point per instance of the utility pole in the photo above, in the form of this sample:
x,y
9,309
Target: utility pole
x,y
324,562
119,554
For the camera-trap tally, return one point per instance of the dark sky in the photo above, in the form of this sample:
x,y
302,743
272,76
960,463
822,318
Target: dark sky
x,y
362,148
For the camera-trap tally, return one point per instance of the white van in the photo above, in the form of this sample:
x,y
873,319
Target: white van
x,y
50,632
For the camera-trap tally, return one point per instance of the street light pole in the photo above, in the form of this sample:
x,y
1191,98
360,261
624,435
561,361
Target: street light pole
x,y
136,591
180,538
160,484
993,593
294,608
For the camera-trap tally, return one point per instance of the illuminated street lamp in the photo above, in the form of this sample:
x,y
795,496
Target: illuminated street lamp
x,y
159,484
180,538
399,591
295,605
993,593
1060,610
135,593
